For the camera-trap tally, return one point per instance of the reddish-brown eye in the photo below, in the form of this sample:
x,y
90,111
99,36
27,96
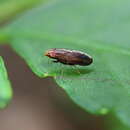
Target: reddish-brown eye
x,y
69,57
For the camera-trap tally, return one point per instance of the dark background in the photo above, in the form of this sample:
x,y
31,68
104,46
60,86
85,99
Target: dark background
x,y
39,104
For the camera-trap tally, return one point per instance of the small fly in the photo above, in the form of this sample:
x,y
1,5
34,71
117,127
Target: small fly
x,y
69,57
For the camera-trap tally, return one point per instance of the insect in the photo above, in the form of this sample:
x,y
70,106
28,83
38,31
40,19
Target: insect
x,y
69,57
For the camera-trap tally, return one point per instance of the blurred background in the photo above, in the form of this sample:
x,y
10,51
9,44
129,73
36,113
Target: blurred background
x,y
39,104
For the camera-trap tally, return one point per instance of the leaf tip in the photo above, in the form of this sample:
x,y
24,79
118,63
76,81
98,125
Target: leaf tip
x,y
5,98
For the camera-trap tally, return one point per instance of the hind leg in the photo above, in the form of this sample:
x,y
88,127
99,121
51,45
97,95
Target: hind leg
x,y
77,69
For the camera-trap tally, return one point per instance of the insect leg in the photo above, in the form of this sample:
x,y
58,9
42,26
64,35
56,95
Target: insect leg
x,y
48,62
62,71
77,69
55,61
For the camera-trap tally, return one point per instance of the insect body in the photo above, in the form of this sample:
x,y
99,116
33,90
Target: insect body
x,y
69,57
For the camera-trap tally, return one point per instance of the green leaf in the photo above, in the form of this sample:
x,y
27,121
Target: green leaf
x,y
10,8
5,87
100,28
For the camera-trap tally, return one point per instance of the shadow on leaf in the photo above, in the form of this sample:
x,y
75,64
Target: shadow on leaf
x,y
72,71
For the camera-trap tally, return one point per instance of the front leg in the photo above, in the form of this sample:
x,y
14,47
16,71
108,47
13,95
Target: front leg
x,y
55,61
